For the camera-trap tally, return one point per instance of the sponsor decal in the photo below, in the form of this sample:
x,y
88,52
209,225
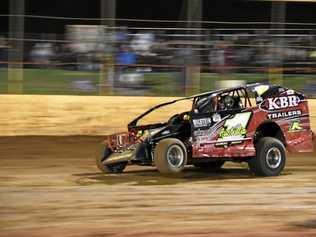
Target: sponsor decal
x,y
234,128
290,92
203,122
201,132
233,132
295,126
261,89
204,135
278,115
282,102
203,139
240,119
216,118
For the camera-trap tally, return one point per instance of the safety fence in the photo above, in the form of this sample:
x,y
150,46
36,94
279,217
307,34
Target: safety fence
x,y
93,58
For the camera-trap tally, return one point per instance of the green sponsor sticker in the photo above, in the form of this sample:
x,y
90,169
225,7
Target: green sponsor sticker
x,y
295,126
232,132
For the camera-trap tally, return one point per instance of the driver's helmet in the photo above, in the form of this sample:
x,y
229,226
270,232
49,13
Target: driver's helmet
x,y
228,102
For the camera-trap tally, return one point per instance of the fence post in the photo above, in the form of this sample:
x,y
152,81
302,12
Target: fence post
x,y
16,47
193,69
278,16
107,74
106,79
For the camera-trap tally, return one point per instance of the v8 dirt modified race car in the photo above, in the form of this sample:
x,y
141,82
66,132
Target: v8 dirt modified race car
x,y
256,123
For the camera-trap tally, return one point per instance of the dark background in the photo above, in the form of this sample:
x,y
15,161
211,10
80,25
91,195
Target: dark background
x,y
221,10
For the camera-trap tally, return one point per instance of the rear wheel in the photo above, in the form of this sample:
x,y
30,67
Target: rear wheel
x,y
211,165
170,156
270,157
103,154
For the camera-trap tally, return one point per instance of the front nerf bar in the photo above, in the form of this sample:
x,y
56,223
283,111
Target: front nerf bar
x,y
117,157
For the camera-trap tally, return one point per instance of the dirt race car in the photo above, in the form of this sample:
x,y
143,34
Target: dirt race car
x,y
256,123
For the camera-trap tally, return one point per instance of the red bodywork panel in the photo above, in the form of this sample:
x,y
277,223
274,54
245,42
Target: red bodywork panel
x,y
293,120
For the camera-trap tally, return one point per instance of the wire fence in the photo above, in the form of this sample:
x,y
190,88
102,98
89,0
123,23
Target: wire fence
x,y
159,20
92,58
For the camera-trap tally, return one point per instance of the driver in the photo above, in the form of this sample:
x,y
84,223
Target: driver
x,y
227,102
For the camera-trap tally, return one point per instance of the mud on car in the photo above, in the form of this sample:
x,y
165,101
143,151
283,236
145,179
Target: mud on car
x,y
256,123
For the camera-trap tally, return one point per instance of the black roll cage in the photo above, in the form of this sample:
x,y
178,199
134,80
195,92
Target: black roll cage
x,y
133,123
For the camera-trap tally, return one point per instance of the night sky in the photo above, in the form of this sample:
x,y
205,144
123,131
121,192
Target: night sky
x,y
221,10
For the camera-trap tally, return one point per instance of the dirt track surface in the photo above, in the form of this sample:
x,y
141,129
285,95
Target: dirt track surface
x,y
49,186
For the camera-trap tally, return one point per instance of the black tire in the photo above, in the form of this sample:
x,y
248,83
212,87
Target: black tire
x,y
104,153
210,166
170,156
270,157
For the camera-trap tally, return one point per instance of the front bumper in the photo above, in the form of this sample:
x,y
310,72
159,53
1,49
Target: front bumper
x,y
119,142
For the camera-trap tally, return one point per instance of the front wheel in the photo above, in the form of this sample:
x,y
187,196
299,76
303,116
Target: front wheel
x,y
270,157
103,154
170,156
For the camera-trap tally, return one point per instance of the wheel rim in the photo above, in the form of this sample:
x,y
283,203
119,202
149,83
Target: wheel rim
x,y
273,158
175,156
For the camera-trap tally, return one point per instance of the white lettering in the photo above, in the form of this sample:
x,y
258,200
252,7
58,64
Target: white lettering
x,y
272,103
283,102
278,115
202,122
293,101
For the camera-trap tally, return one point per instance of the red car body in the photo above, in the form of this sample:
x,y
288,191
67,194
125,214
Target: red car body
x,y
223,124
298,140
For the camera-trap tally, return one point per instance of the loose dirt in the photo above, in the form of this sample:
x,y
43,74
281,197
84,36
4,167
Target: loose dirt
x,y
49,186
